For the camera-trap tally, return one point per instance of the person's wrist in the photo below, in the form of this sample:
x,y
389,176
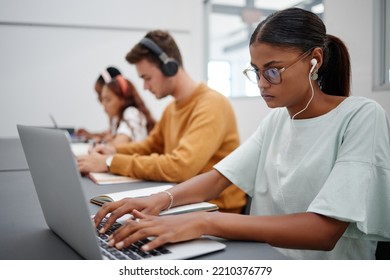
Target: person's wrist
x,y
205,223
161,201
170,196
108,162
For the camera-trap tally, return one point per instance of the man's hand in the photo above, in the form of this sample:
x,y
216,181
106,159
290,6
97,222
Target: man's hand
x,y
94,162
104,149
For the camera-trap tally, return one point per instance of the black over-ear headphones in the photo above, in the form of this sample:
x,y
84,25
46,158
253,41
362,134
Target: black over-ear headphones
x,y
169,65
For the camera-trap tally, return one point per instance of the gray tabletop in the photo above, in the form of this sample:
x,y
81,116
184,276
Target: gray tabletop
x,y
25,235
11,155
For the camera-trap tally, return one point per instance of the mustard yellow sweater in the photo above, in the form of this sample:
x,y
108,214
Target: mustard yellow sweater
x,y
191,137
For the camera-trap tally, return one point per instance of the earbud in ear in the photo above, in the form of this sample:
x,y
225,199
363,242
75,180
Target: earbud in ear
x,y
313,62
313,71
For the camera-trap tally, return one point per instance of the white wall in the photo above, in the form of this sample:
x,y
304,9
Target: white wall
x,y
52,69
51,52
353,22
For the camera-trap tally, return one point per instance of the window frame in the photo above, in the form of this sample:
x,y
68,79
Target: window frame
x,y
381,33
238,84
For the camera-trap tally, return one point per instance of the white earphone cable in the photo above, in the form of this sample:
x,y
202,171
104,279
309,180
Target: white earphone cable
x,y
311,98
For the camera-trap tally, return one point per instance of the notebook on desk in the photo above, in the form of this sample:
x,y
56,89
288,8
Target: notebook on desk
x,y
58,185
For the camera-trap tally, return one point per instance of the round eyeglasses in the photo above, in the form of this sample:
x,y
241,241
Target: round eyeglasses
x,y
272,75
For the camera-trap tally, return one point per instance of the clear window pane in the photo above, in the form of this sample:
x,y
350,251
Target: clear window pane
x,y
219,76
231,23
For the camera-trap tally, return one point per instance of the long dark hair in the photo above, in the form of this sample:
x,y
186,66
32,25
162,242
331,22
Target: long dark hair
x,y
126,91
300,29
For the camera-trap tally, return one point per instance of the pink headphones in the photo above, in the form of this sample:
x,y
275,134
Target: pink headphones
x,y
122,83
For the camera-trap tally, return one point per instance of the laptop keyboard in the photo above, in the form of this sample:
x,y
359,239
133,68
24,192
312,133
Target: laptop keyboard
x,y
132,252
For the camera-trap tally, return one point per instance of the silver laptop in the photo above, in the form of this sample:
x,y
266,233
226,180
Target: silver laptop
x,y
71,130
58,185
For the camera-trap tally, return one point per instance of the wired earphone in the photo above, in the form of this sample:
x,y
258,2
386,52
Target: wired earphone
x,y
313,62
312,76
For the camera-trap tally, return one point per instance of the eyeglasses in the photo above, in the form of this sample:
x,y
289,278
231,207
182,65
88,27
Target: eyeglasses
x,y
272,75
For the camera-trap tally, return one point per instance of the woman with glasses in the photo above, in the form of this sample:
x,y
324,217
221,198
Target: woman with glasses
x,y
317,168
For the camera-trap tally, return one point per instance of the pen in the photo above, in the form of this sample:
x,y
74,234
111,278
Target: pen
x,y
92,143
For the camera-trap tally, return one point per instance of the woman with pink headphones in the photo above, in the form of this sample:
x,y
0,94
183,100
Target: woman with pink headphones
x,y
130,119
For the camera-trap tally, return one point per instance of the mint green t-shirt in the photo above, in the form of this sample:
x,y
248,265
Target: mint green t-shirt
x,y
337,165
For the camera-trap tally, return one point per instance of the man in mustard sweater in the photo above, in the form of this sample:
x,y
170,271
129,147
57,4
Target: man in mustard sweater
x,y
196,130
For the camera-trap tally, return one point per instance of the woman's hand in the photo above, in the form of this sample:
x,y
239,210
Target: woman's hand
x,y
151,205
164,229
82,132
